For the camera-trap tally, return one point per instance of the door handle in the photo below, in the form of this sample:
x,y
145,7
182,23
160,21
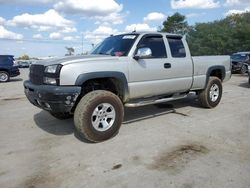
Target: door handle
x,y
167,65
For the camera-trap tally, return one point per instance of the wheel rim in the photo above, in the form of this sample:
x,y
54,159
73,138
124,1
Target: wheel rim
x,y
3,77
244,69
214,92
103,117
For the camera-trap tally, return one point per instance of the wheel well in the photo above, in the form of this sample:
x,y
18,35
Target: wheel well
x,y
217,73
5,70
109,84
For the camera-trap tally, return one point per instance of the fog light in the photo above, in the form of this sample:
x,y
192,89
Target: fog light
x,y
51,81
47,105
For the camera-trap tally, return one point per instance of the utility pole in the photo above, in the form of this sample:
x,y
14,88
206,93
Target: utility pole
x,y
82,44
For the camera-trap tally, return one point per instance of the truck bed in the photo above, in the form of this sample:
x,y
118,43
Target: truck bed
x,y
202,65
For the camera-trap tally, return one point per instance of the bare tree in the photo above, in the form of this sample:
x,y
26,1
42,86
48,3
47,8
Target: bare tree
x,y
70,51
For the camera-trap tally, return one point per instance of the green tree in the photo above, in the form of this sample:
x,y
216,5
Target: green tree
x,y
222,37
175,24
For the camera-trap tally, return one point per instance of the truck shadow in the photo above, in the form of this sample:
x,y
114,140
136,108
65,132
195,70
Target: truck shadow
x,y
54,126
146,112
245,85
16,80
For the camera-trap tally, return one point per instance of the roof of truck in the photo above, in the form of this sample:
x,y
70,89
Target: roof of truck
x,y
164,33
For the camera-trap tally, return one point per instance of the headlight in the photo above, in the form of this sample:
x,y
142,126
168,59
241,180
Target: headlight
x,y
52,74
51,69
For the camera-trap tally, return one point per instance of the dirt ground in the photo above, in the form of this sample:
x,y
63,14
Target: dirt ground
x,y
174,145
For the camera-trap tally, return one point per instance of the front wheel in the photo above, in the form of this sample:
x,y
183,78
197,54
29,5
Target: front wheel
x,y
99,115
210,97
243,69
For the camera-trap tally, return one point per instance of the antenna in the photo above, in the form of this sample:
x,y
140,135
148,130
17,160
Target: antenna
x,y
134,30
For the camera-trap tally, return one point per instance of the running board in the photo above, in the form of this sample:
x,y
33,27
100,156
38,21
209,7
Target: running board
x,y
158,101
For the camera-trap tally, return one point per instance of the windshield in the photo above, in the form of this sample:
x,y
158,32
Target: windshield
x,y
118,45
239,57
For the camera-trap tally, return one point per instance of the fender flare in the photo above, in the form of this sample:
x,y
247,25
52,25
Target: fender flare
x,y
217,67
82,78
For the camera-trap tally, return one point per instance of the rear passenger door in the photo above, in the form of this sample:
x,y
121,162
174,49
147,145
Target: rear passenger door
x,y
180,75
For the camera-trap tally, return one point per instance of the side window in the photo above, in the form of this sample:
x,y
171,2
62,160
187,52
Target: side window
x,y
176,47
156,44
5,60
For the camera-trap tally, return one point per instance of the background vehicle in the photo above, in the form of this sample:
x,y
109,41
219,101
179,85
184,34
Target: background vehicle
x,y
131,70
23,64
7,68
249,74
240,62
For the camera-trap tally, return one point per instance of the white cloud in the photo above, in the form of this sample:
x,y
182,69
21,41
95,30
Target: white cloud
x,y
43,22
37,36
193,15
55,36
232,2
154,16
104,11
198,4
99,34
68,38
88,7
2,21
5,34
139,27
237,2
26,2
69,30
235,11
113,18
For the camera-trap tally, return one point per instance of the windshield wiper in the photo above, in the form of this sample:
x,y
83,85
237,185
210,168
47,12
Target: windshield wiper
x,y
101,53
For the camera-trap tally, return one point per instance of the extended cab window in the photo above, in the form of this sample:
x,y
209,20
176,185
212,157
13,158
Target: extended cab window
x,y
156,44
176,47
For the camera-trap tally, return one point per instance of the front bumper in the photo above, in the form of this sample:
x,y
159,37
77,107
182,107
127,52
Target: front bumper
x,y
236,68
52,98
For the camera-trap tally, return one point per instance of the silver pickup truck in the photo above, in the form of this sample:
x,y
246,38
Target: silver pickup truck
x,y
131,70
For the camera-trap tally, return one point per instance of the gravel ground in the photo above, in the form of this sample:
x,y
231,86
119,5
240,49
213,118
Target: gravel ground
x,y
177,144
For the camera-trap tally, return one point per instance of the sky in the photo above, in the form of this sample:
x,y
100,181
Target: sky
x,y
41,28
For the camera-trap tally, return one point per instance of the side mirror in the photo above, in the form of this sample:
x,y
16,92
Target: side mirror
x,y
143,53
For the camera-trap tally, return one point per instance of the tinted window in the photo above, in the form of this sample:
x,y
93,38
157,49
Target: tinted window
x,y
156,44
176,47
119,45
6,60
240,57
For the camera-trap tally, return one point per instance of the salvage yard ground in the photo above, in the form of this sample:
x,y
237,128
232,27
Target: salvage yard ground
x,y
177,144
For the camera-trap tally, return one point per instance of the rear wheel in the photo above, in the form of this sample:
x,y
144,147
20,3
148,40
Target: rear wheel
x,y
4,76
210,97
99,115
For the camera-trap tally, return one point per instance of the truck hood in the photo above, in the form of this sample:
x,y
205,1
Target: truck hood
x,y
76,59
